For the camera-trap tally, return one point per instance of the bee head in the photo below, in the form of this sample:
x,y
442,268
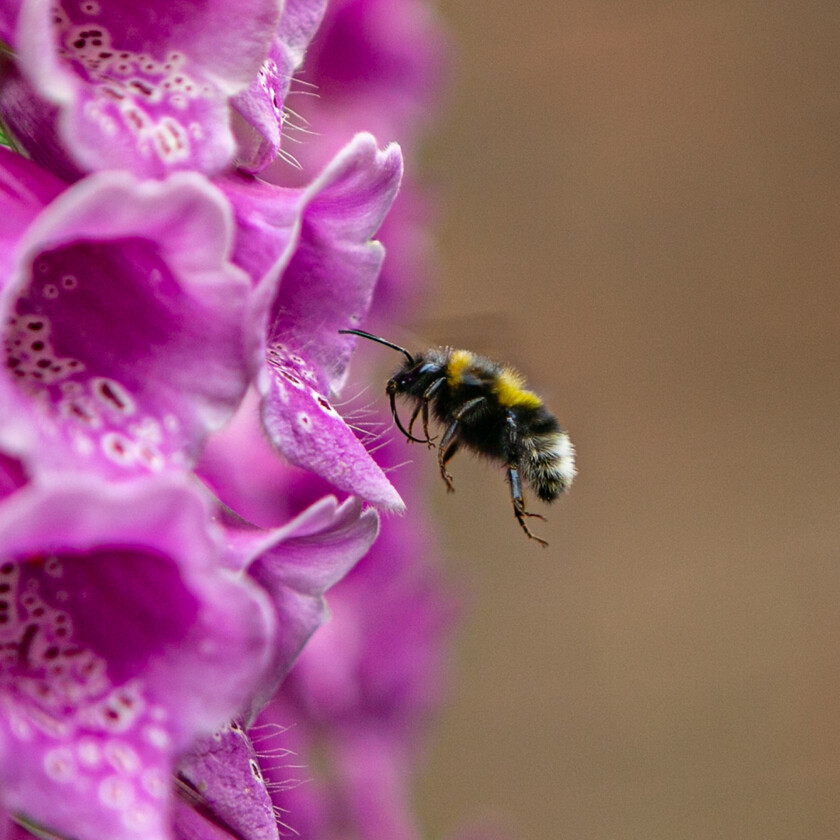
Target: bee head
x,y
410,374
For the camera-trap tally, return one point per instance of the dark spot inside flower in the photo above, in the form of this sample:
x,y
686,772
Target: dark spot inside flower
x,y
12,361
255,769
79,43
141,87
35,326
4,587
111,714
7,568
37,345
43,363
80,412
4,605
4,618
19,373
51,652
26,643
108,393
322,402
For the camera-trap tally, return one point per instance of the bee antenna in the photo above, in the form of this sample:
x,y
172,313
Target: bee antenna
x,y
363,334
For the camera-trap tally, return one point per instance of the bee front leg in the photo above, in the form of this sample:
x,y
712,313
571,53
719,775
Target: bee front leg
x,y
408,436
414,416
424,407
519,504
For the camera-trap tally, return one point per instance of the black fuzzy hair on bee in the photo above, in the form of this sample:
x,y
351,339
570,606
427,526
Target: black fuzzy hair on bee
x,y
483,406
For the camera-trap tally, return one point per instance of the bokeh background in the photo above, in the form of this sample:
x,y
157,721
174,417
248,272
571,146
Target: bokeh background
x,y
640,208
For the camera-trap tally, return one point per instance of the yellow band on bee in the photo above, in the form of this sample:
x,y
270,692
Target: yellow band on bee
x,y
509,391
459,361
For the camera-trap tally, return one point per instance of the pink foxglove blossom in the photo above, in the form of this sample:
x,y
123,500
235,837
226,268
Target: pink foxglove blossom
x,y
311,252
124,638
110,289
145,87
181,494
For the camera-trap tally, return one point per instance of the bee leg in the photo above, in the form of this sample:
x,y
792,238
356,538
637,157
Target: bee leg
x,y
427,397
449,444
449,452
519,504
448,447
423,406
414,416
396,417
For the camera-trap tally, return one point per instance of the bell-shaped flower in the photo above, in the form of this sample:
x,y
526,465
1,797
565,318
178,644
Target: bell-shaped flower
x,y
317,267
146,87
123,638
122,320
355,705
295,564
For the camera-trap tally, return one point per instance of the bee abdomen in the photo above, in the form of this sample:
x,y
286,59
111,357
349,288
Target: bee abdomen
x,y
548,464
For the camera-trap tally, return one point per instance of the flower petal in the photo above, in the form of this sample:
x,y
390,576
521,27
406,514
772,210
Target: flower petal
x,y
24,190
262,105
329,281
326,286
123,324
224,771
125,639
303,425
296,564
144,87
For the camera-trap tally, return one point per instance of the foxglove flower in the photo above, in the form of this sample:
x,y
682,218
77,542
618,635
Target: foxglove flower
x,y
124,637
363,690
316,265
123,320
145,87
295,564
138,318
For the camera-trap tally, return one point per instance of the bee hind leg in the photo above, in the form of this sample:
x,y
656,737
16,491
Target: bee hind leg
x,y
519,505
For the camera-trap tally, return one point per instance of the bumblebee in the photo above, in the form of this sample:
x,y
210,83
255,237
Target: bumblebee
x,y
483,406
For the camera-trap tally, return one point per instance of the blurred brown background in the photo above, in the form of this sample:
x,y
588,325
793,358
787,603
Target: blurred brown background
x,y
648,192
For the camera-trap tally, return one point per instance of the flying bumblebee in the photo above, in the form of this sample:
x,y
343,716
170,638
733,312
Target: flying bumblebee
x,y
483,406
